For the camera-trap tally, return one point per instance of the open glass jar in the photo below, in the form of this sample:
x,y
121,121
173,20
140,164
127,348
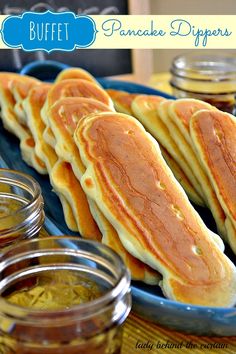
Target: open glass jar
x,y
62,295
21,207
211,78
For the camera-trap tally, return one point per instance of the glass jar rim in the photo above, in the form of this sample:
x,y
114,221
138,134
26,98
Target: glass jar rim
x,y
34,187
210,67
84,310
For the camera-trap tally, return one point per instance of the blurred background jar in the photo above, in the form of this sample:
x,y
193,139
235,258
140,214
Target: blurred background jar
x,y
211,78
62,295
21,207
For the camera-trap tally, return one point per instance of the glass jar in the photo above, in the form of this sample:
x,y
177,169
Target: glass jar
x,y
92,326
21,207
211,78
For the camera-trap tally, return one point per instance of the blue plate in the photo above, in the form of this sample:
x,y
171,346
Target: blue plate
x,y
148,301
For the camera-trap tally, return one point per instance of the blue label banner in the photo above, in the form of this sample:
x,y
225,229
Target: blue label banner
x,y
48,31
66,31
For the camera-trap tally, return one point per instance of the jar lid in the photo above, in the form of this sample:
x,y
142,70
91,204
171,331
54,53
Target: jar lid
x,y
205,67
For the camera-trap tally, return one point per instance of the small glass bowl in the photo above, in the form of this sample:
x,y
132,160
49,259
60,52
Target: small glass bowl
x,y
21,207
211,78
92,327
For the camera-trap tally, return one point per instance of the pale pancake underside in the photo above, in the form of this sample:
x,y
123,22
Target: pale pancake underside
x,y
12,124
149,114
205,154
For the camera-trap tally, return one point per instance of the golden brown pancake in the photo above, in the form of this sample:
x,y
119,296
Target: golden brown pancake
x,y
20,90
7,102
75,73
181,177
32,106
27,150
49,137
177,151
151,111
138,194
70,88
190,155
139,271
66,184
78,108
68,214
122,100
63,117
28,154
113,93
214,137
182,110
231,234
11,121
75,88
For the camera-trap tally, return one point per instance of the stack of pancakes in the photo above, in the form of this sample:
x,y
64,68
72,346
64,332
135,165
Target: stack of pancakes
x,y
115,186
214,137
169,123
128,179
50,113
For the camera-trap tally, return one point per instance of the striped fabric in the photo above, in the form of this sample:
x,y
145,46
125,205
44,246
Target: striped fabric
x,y
141,336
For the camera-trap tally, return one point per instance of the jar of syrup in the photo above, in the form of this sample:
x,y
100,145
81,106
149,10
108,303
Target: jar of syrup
x,y
62,295
207,77
21,207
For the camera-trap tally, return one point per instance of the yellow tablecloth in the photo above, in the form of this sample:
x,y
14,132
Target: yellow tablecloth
x,y
160,82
